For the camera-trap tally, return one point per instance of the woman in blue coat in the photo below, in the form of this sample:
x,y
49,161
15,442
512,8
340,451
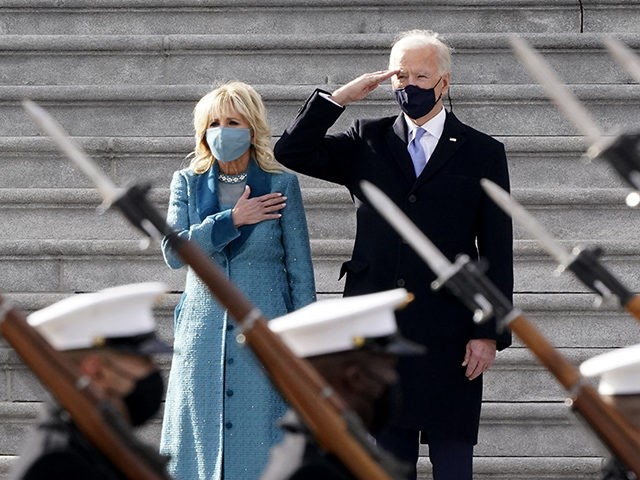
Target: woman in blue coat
x,y
238,204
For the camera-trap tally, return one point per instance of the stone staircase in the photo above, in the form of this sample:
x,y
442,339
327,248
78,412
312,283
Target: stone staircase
x,y
122,76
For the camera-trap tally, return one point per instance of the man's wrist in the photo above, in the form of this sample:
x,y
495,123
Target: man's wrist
x,y
332,99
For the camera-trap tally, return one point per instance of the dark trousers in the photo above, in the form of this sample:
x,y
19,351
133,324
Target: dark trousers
x,y
451,460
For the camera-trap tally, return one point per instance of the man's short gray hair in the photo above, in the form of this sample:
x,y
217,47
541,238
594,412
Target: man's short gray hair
x,y
413,38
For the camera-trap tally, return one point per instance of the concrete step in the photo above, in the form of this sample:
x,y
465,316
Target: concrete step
x,y
567,320
35,162
536,271
593,215
552,430
528,468
166,110
503,448
486,468
306,16
61,265
293,59
518,376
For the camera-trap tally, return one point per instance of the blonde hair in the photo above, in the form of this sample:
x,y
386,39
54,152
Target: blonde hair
x,y
247,102
423,38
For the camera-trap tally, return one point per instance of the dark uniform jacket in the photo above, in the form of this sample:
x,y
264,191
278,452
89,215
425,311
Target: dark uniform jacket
x,y
299,457
448,204
57,450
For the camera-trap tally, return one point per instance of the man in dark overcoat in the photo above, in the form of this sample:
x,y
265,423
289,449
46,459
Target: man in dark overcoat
x,y
442,391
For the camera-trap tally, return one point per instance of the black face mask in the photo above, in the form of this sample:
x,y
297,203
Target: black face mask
x,y
144,400
386,406
415,101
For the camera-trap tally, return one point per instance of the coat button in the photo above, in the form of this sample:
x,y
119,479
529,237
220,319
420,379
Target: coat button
x,y
400,282
229,393
230,326
230,361
412,198
229,425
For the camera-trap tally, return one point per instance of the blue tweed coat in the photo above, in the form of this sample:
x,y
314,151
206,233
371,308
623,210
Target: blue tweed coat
x,y
220,407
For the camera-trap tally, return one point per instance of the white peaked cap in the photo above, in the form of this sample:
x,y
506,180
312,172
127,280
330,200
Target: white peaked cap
x,y
87,320
339,325
619,371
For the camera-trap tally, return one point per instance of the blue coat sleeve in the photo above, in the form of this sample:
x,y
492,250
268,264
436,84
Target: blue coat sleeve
x,y
212,234
295,237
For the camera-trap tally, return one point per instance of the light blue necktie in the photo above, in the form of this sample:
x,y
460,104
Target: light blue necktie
x,y
416,151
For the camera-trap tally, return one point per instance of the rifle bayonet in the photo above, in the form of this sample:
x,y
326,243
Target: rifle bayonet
x,y
624,56
584,263
110,193
564,98
622,151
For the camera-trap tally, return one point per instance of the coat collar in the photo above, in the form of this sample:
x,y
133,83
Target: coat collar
x,y
397,139
206,187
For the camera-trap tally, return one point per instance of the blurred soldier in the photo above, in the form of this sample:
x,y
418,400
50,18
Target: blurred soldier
x,y
353,343
109,336
619,372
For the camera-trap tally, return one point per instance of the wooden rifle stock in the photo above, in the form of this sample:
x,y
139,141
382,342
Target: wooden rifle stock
x,y
607,422
633,306
91,412
322,411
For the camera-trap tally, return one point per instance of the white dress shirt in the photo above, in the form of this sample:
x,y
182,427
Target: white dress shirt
x,y
433,131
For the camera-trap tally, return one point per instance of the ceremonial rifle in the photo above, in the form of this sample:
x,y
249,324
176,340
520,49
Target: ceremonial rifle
x,y
334,425
583,262
467,282
624,56
622,151
92,413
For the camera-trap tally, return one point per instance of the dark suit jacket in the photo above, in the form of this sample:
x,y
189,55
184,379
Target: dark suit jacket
x,y
448,204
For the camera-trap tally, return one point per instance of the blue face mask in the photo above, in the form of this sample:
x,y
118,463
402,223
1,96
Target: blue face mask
x,y
415,101
228,144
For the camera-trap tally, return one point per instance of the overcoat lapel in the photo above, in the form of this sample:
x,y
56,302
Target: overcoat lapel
x,y
206,198
397,142
259,182
452,138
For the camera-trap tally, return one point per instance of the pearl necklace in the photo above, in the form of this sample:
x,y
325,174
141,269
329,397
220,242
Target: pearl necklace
x,y
224,178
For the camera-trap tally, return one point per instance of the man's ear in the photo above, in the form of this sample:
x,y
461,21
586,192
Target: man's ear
x,y
446,79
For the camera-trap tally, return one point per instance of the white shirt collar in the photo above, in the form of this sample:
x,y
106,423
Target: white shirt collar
x,y
434,126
